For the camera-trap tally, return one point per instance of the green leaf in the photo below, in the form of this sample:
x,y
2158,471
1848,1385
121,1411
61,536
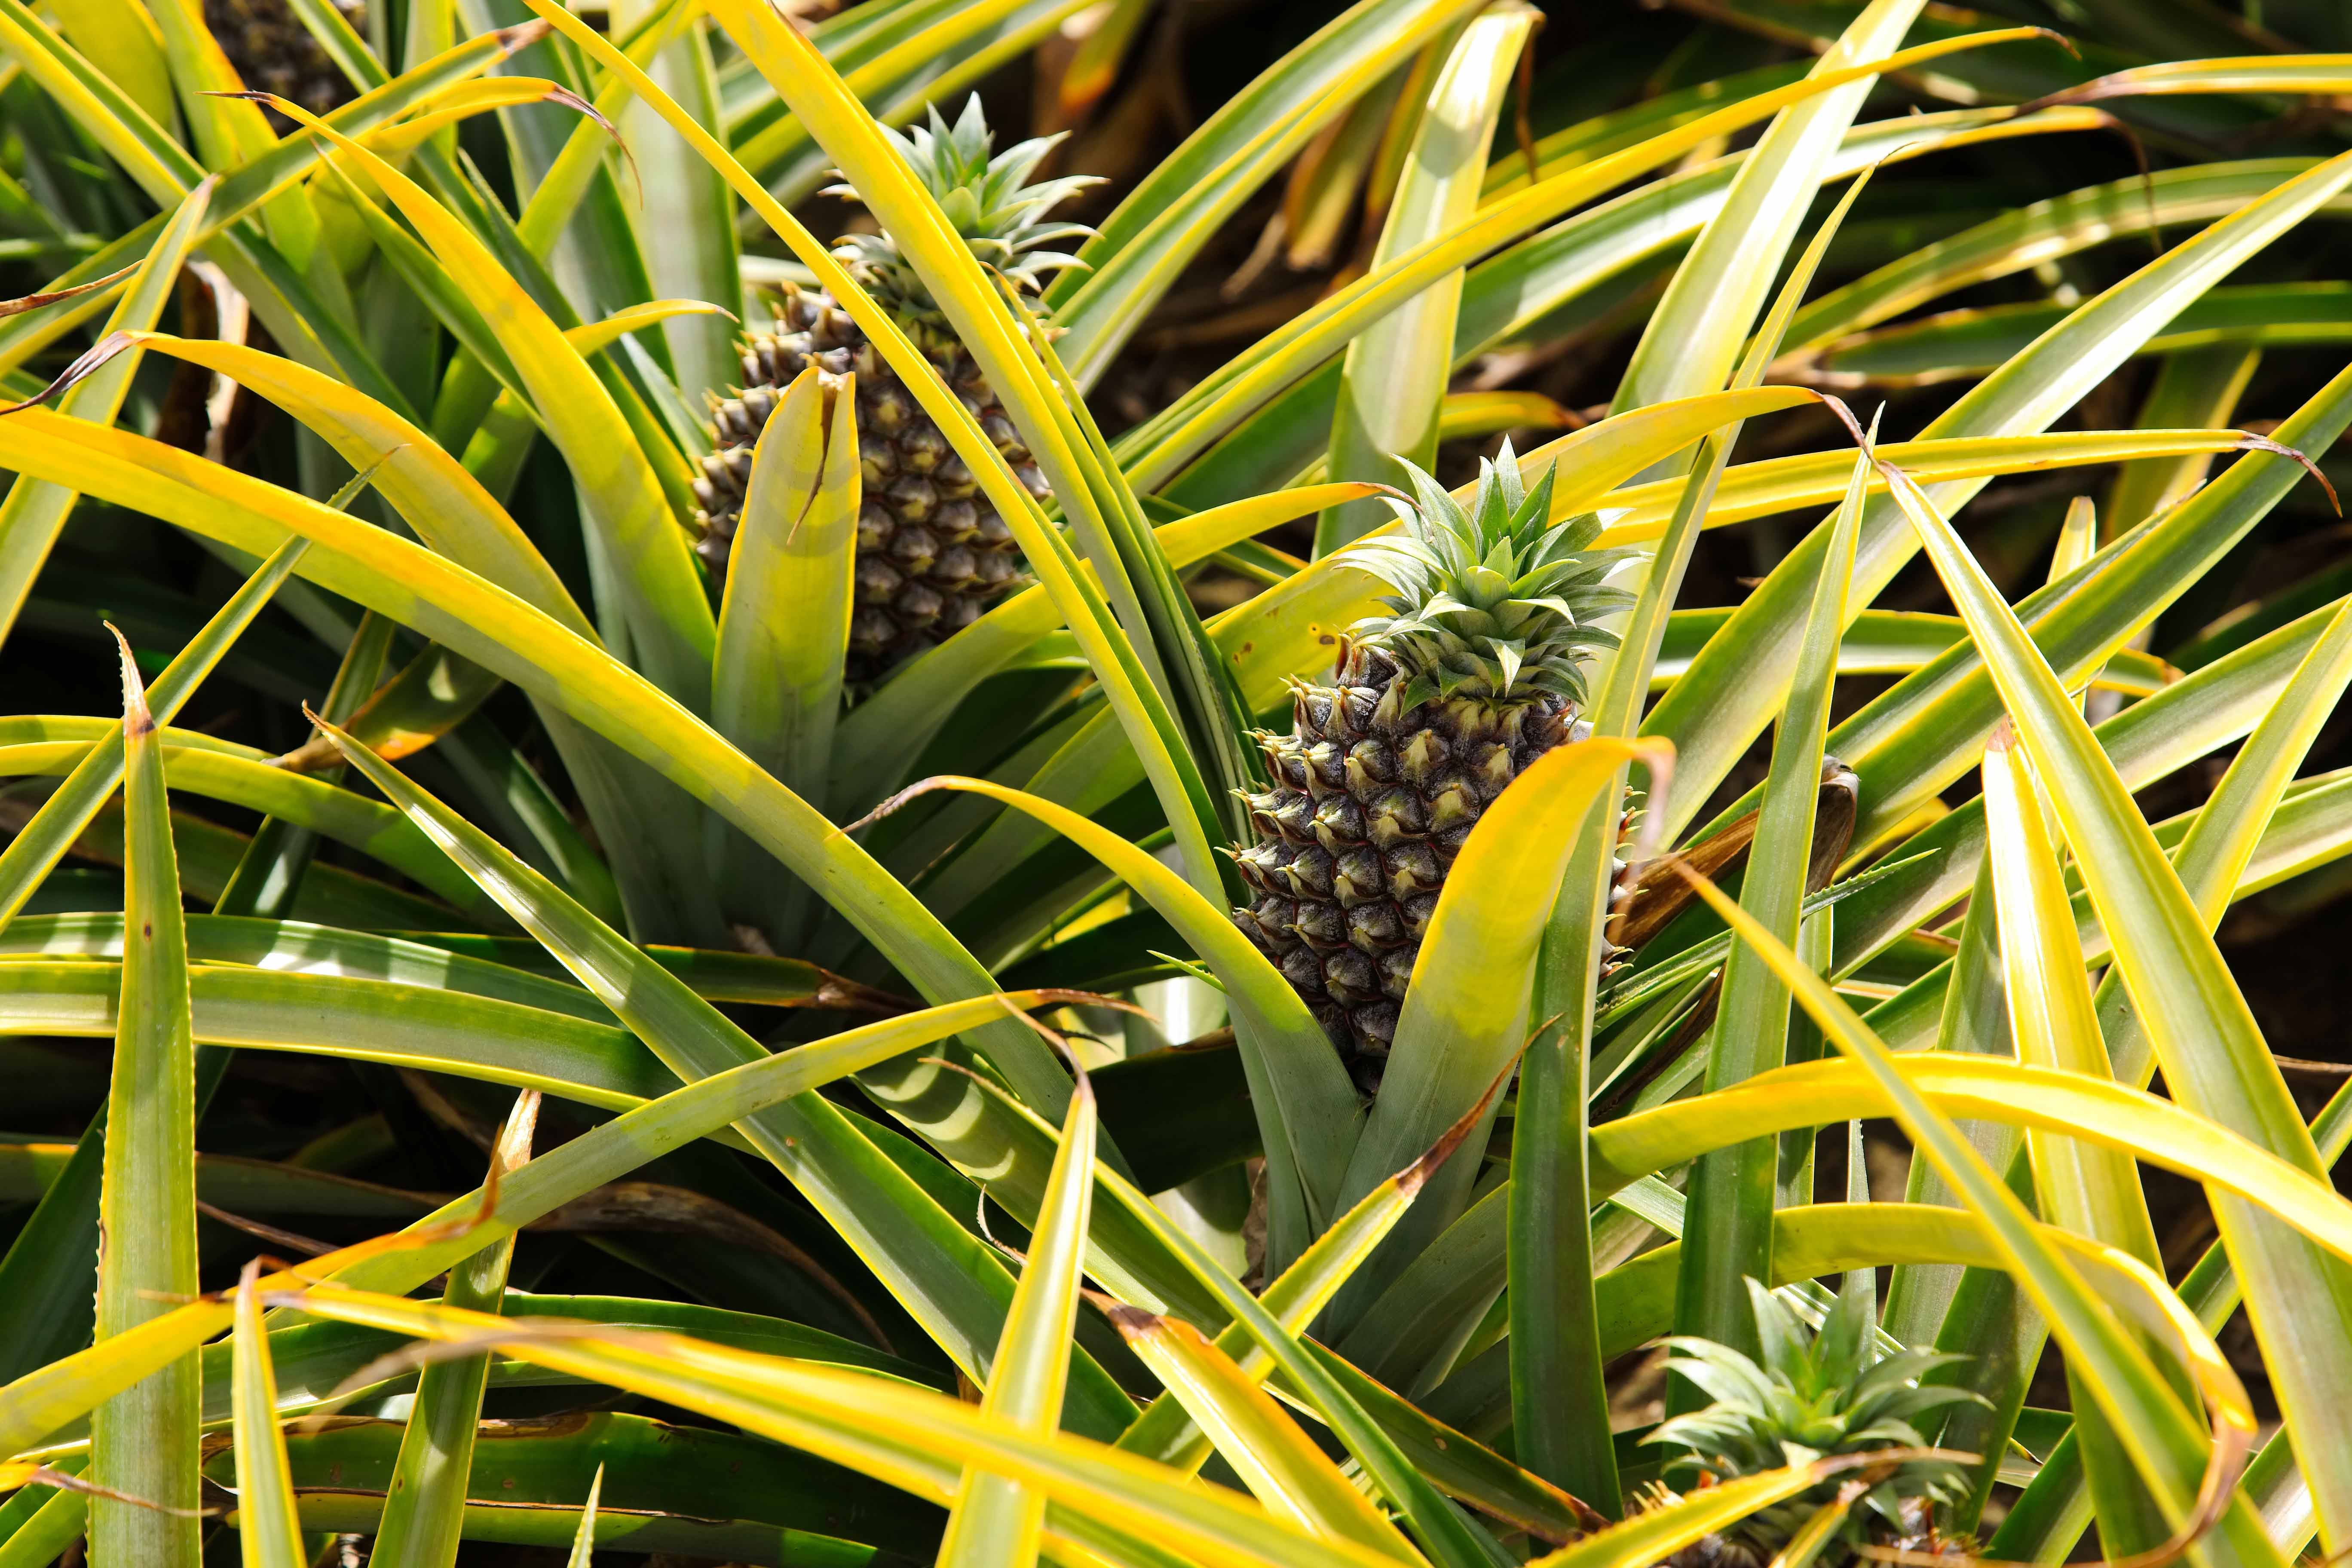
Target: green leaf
x,y
43,1401
1444,1535
1280,1465
2160,1436
1139,251
783,625
1559,1397
932,1265
1124,675
34,514
453,606
2087,1189
911,1437
1166,1433
1693,338
269,878
2201,386
2196,1021
268,1531
1733,687
1307,1109
43,842
1394,377
1733,1195
685,217
669,616
583,1543
1175,436
2199,192
1657,1534
424,1512
995,1522
144,1440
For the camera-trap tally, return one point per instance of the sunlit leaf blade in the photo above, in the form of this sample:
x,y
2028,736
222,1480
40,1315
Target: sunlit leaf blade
x,y
1306,1107
269,1529
1657,1534
995,1522
432,491
2160,1435
900,1433
1760,489
43,842
1150,728
1984,1088
669,615
1280,1466
35,513
424,1515
1394,377
1141,248
583,1543
2201,386
1207,758
1694,338
939,1270
1732,1194
2092,1191
1443,1534
1561,1397
1466,1014
1294,1298
1732,688
2196,1021
469,617
143,1441
1188,427
783,623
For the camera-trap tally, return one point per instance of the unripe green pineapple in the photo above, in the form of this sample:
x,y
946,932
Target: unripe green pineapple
x,y
1430,712
1816,1395
931,550
274,52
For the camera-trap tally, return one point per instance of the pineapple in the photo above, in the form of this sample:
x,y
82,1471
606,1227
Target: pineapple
x,y
1430,712
1815,1396
274,52
931,550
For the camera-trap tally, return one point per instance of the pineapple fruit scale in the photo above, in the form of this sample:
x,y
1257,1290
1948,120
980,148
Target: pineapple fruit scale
x,y
1432,712
933,552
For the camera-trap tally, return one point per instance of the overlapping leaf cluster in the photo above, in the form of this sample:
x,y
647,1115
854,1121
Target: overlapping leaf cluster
x,y
513,1044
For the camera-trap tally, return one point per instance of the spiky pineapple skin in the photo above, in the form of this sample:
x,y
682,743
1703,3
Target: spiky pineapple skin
x,y
1370,806
932,550
274,52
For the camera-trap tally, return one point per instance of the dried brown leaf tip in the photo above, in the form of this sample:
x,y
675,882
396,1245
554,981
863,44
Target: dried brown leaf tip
x,y
18,307
137,719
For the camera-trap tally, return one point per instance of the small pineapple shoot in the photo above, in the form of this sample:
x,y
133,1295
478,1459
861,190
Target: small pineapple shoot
x,y
1815,1396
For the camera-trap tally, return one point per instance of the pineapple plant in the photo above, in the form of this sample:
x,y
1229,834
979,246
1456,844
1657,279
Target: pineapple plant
x,y
702,1041
1814,1396
1431,710
932,553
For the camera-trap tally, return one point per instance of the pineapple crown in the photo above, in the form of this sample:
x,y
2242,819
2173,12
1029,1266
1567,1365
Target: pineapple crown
x,y
1493,602
988,199
1814,1396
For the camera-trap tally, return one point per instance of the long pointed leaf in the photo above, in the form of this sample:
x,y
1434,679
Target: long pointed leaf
x,y
143,1441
